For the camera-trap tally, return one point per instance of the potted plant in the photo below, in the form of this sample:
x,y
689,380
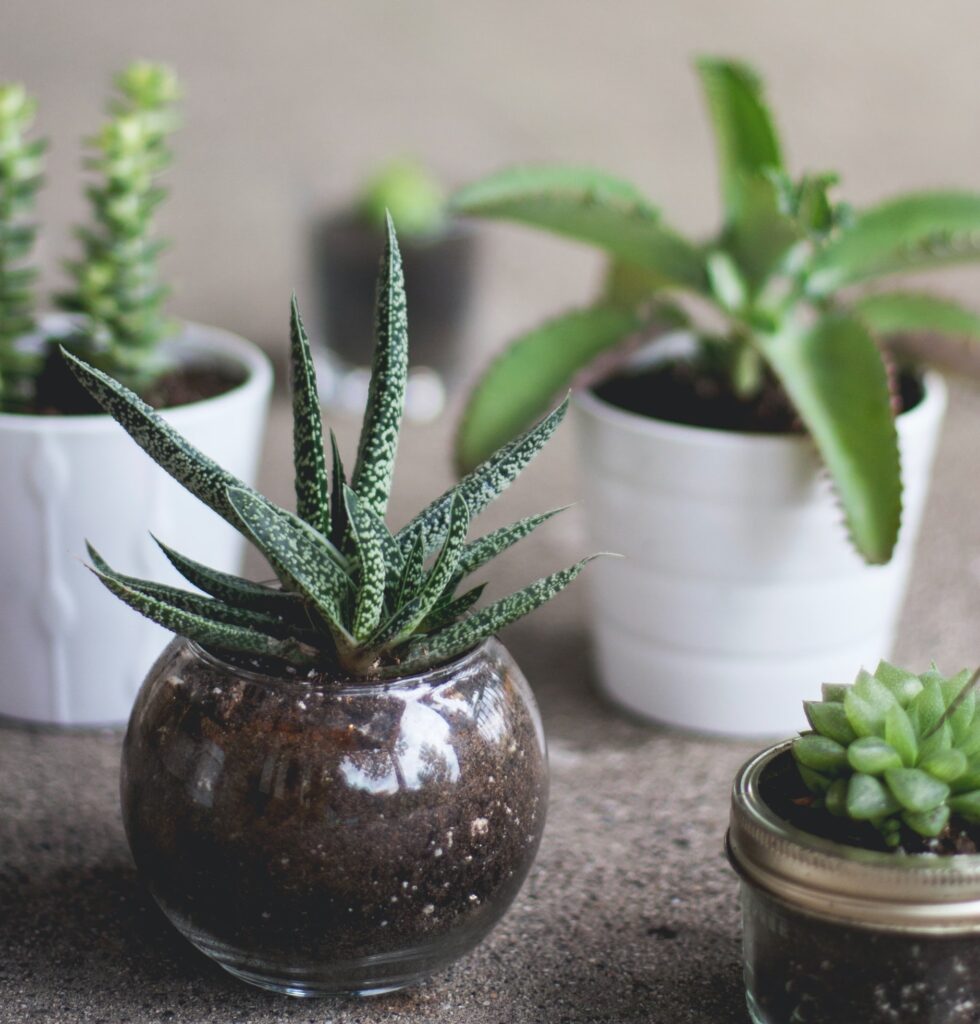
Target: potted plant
x,y
336,783
438,254
857,848
727,463
67,656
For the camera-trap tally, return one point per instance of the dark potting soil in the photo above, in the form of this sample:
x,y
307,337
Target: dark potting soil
x,y
694,395
803,969
58,393
304,826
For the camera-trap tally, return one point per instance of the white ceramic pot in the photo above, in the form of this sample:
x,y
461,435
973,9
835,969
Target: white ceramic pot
x,y
70,652
739,593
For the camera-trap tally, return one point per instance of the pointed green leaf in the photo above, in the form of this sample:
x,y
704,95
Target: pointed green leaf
x,y
481,486
913,232
967,805
868,798
191,468
905,685
915,790
744,131
386,395
219,635
829,719
872,755
312,502
928,707
521,383
301,557
591,207
413,575
445,613
835,377
458,638
820,753
928,823
834,692
338,508
836,799
889,313
484,549
945,765
762,234
900,734
369,545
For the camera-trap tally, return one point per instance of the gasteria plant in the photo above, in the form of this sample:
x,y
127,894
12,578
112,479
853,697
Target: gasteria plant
x,y
116,288
354,598
21,166
775,273
895,749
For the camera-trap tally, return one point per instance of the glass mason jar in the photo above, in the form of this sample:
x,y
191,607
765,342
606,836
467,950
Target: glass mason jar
x,y
334,837
835,934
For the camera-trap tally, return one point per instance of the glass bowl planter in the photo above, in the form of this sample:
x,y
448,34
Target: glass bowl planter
x,y
835,934
339,836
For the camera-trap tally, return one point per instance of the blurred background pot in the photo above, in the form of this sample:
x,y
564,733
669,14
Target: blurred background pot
x,y
334,836
739,587
834,933
70,653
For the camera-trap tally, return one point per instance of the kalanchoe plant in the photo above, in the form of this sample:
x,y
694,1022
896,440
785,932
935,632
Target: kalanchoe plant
x,y
116,289
896,749
776,273
21,165
354,598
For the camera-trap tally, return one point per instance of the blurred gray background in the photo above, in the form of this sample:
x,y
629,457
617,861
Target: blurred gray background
x,y
289,105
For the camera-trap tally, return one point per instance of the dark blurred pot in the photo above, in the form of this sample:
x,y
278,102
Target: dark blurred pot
x,y
438,277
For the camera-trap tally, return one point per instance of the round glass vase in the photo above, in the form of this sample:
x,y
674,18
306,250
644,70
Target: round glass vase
x,y
836,934
337,837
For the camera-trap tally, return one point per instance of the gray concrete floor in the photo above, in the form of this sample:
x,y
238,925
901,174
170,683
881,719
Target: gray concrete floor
x,y
630,913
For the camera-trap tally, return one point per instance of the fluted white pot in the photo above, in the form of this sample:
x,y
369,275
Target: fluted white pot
x,y
739,593
70,652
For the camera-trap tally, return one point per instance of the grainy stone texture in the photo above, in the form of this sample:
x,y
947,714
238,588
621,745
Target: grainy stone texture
x,y
630,913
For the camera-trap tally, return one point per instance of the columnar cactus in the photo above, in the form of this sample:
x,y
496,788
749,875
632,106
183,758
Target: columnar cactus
x,y
354,598
21,165
895,749
116,284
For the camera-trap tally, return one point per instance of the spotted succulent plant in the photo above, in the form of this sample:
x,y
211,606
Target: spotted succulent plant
x,y
353,597
894,749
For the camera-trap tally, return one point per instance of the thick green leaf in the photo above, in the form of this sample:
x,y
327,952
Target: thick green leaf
x,y
872,755
443,614
915,790
386,394
834,375
868,798
484,549
370,546
762,233
211,634
967,805
830,719
232,589
479,487
889,313
904,684
520,384
588,206
900,734
413,575
462,636
913,232
928,823
301,557
312,500
945,765
338,508
820,753
191,468
744,131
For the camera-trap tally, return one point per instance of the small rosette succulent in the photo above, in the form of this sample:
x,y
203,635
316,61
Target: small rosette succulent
x,y
895,749
353,597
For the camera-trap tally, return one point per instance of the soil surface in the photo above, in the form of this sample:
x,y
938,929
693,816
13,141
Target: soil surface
x,y
694,395
293,827
58,393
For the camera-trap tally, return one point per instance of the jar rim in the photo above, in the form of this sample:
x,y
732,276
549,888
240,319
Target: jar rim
x,y
919,892
345,684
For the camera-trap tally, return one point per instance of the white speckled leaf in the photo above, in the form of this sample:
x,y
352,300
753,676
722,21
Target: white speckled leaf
x,y
369,542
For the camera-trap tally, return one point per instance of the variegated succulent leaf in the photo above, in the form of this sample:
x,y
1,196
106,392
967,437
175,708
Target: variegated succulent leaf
x,y
378,445
895,748
448,611
368,532
312,494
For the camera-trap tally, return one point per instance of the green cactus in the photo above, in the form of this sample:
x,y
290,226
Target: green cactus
x,y
353,597
775,273
21,166
895,749
116,286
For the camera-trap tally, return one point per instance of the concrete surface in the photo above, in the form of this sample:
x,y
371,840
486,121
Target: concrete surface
x,y
630,913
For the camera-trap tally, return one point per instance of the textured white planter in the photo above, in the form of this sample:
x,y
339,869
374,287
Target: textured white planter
x,y
70,652
738,593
